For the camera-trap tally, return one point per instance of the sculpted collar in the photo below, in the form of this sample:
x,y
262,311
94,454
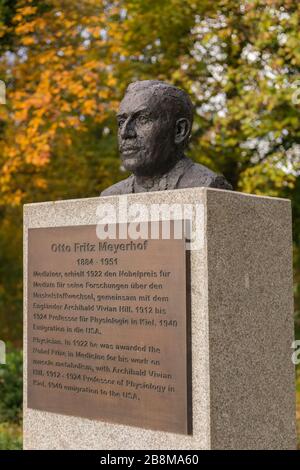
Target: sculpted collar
x,y
167,181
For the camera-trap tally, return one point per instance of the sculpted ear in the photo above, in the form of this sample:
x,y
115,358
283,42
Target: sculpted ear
x,y
182,130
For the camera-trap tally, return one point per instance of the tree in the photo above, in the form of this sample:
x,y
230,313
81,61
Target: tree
x,y
67,64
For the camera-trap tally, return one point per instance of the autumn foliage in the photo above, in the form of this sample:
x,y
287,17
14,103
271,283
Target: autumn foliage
x,y
67,63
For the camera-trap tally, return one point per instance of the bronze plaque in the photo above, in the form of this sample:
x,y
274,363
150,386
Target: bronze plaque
x,y
108,328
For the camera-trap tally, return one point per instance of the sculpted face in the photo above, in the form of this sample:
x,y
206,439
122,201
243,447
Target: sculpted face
x,y
146,133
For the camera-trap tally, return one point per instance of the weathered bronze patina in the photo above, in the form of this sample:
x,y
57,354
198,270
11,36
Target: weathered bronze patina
x,y
108,328
155,121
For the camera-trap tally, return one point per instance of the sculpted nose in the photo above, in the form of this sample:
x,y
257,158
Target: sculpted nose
x,y
128,129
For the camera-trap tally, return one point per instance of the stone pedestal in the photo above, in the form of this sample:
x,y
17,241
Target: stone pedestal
x,y
242,387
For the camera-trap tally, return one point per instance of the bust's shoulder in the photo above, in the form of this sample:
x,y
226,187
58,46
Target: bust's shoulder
x,y
122,187
197,175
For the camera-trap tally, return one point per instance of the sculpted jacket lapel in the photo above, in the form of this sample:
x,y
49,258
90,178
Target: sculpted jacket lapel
x,y
169,180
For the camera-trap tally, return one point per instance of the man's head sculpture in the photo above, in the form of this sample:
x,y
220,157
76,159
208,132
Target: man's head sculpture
x,y
154,127
155,121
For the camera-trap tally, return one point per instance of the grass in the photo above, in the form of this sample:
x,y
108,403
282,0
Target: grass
x,y
10,436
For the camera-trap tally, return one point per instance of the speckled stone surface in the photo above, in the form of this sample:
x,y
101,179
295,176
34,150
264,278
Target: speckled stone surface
x,y
250,303
241,322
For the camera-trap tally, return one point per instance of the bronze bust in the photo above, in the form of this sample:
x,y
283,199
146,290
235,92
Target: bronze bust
x,y
155,121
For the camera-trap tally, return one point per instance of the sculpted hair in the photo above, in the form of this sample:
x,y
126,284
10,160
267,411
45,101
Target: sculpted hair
x,y
176,102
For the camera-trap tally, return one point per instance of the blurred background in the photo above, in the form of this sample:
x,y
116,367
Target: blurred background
x,y
66,65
